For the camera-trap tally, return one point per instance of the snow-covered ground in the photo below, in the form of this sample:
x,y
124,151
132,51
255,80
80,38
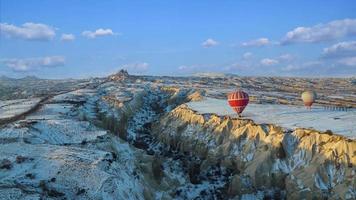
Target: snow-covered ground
x,y
51,154
340,122
12,108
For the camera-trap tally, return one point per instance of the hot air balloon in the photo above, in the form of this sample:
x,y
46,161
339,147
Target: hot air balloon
x,y
308,98
238,100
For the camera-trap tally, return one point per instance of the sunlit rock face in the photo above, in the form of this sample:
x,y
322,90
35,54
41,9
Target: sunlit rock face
x,y
294,164
119,76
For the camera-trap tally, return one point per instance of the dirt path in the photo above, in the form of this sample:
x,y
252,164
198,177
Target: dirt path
x,y
24,114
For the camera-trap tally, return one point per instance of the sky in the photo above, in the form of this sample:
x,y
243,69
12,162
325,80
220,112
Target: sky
x,y
78,39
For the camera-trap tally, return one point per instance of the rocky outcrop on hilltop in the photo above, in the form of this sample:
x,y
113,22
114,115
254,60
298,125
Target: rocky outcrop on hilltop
x,y
119,76
265,159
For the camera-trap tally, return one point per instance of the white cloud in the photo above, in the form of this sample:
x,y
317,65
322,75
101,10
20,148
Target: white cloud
x,y
138,67
29,64
236,66
247,55
310,66
330,68
313,63
340,49
321,32
286,57
349,61
257,43
67,37
209,43
190,68
304,67
291,67
28,31
269,61
183,67
97,33
341,55
198,68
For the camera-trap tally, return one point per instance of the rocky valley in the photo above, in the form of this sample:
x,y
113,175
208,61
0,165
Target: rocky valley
x,y
147,137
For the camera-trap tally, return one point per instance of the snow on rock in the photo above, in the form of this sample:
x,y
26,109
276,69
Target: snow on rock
x,y
52,154
303,163
73,172
12,108
52,124
288,116
73,96
61,151
72,168
196,150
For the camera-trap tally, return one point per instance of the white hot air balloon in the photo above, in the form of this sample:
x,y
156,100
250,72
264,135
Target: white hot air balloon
x,y
308,98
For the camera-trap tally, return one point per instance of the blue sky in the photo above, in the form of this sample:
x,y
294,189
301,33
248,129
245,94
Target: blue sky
x,y
60,39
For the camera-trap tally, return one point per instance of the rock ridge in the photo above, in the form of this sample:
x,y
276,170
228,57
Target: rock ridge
x,y
296,164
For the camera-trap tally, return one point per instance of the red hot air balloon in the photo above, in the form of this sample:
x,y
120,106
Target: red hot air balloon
x,y
238,100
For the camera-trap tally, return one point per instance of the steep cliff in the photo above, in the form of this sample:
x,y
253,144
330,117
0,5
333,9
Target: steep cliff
x,y
265,159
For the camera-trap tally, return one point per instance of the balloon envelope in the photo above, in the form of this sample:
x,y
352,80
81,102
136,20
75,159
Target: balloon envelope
x,y
308,98
238,100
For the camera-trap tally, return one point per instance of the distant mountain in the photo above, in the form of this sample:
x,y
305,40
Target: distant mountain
x,y
26,78
4,78
213,74
30,78
209,74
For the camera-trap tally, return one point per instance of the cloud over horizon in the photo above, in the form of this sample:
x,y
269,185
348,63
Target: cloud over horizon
x,y
342,55
348,61
286,57
321,32
28,31
29,64
137,67
340,49
269,61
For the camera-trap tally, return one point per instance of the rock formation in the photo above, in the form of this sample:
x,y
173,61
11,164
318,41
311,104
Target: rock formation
x,y
119,76
298,164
